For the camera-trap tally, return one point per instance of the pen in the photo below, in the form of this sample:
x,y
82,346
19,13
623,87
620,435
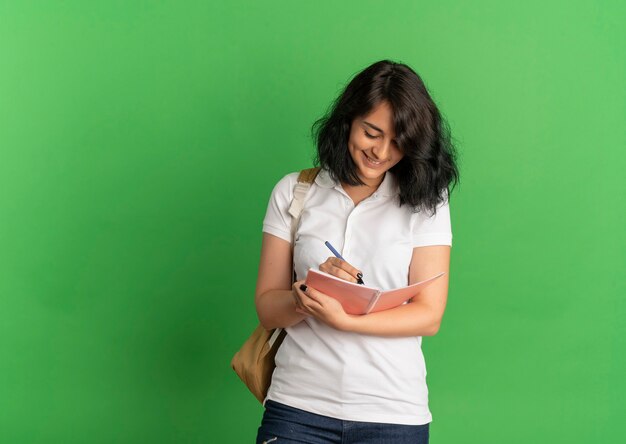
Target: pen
x,y
336,253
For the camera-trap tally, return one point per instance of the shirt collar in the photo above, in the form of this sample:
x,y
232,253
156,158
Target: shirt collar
x,y
387,188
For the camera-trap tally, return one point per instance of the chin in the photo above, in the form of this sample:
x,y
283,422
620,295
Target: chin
x,y
369,174
372,174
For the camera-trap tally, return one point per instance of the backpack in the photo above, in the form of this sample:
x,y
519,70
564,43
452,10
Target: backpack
x,y
254,361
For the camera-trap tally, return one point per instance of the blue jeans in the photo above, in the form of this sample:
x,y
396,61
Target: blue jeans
x,y
285,424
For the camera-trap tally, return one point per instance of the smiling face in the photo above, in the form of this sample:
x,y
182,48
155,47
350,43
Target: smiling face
x,y
372,144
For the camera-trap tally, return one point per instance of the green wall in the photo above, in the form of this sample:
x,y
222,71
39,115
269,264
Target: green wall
x,y
139,142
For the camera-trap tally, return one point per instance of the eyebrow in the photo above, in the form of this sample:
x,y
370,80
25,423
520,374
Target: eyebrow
x,y
373,127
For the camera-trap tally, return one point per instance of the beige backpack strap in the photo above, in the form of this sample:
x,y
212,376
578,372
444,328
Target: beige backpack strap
x,y
308,176
305,179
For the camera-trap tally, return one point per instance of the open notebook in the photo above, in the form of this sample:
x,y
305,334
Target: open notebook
x,y
360,299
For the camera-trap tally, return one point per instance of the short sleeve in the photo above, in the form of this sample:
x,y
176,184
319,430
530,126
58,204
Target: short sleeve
x,y
434,229
277,219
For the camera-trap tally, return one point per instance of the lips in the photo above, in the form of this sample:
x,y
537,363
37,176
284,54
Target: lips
x,y
372,163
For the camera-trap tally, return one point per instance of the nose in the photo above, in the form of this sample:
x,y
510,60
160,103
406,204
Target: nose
x,y
381,149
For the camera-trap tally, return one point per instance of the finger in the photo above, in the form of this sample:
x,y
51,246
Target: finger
x,y
347,267
325,266
342,274
331,262
296,300
309,301
343,265
295,288
300,289
318,300
297,293
333,266
315,295
297,284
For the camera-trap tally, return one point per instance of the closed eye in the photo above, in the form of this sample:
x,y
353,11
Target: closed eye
x,y
369,135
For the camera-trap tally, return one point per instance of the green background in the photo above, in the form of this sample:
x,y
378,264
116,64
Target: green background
x,y
139,142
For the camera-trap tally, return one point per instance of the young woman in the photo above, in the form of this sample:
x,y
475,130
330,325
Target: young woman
x,y
381,199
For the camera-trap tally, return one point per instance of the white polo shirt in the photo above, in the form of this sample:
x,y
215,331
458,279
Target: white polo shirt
x,y
348,375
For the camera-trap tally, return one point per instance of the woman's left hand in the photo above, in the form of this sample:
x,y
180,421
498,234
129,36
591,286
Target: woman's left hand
x,y
322,307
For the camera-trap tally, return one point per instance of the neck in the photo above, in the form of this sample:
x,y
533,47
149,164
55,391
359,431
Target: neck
x,y
372,184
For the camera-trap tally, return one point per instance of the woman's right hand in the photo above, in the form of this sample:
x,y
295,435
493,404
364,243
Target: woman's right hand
x,y
341,269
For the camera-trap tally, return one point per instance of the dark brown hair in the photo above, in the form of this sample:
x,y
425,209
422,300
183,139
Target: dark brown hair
x,y
428,172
